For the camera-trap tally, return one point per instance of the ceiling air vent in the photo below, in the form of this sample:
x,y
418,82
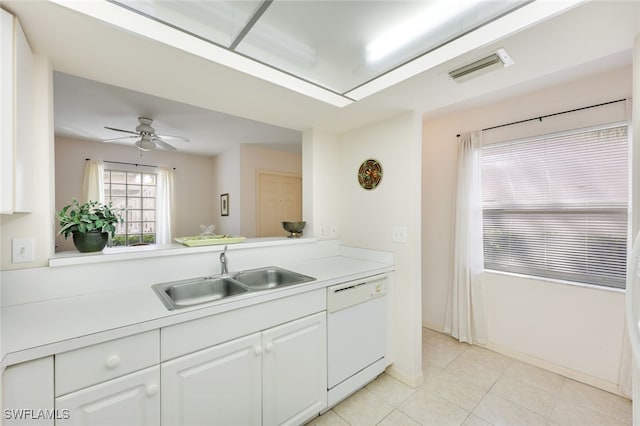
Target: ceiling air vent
x,y
499,59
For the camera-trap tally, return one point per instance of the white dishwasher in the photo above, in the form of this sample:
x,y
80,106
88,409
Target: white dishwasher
x,y
356,335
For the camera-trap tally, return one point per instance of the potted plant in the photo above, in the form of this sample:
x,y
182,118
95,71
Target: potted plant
x,y
89,223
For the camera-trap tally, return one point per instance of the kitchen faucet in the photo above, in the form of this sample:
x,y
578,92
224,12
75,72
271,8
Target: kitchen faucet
x,y
223,262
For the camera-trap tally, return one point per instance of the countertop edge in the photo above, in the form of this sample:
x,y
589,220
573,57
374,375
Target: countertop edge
x,y
116,254
16,356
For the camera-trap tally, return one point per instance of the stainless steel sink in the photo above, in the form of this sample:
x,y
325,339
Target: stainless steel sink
x,y
270,277
180,294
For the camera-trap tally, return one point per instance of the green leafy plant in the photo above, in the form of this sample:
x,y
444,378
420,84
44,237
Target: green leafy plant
x,y
88,217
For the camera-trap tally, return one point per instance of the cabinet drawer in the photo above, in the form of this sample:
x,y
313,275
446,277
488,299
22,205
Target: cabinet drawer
x,y
97,363
131,400
187,337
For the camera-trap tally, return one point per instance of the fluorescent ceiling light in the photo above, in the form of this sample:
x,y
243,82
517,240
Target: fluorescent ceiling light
x,y
431,18
515,21
138,24
388,44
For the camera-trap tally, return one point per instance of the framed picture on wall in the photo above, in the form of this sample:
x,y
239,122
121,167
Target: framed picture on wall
x,y
224,204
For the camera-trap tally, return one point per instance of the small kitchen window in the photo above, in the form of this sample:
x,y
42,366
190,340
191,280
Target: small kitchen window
x,y
555,206
135,194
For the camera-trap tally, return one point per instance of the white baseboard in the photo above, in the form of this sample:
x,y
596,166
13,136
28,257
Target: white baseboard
x,y
558,369
547,365
413,381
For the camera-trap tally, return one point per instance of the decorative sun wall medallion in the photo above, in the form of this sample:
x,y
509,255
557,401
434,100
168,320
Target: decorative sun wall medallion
x,y
370,174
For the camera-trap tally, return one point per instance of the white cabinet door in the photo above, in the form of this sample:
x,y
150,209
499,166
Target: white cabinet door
x,y
132,400
6,112
28,386
23,167
16,80
295,371
216,386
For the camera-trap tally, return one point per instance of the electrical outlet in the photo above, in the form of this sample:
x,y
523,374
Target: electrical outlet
x,y
323,232
22,250
399,234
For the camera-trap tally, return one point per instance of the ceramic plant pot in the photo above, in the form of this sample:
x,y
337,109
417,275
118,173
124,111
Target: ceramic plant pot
x,y
90,241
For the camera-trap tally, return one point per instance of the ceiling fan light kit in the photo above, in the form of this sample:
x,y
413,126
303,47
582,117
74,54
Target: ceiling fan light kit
x,y
148,139
145,144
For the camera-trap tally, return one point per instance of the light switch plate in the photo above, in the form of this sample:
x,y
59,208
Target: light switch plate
x,y
399,234
22,250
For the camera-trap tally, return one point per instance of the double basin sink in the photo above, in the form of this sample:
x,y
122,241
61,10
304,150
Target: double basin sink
x,y
182,294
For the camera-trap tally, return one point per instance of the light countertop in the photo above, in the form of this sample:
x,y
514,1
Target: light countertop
x,y
34,330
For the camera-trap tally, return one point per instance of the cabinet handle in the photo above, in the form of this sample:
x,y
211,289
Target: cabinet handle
x,y
269,347
113,361
152,389
257,350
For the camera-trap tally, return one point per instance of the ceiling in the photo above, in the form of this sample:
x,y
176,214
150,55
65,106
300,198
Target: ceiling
x,y
82,109
336,45
187,93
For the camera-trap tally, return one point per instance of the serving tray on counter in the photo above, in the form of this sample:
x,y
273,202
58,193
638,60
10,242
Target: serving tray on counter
x,y
208,240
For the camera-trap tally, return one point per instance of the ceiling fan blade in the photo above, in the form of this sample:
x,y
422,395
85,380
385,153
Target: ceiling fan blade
x,y
173,138
118,139
120,130
163,144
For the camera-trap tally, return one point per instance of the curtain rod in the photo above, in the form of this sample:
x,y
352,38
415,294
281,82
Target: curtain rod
x,y
130,164
550,115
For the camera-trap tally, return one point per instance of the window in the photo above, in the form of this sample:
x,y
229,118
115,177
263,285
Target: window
x,y
556,206
135,194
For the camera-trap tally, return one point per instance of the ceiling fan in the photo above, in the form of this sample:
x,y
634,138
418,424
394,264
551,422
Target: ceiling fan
x,y
148,139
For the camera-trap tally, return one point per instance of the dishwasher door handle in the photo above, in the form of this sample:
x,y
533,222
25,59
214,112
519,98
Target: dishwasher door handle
x,y
342,296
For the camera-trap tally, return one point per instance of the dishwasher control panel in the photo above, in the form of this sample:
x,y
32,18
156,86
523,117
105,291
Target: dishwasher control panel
x,y
344,295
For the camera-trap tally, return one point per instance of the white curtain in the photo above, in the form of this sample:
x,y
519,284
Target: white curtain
x,y
466,317
93,182
165,210
625,374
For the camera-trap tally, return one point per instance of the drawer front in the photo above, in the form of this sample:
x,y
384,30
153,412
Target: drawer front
x,y
191,336
94,364
131,400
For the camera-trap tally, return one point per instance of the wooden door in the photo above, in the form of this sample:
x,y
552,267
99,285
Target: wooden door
x,y
279,198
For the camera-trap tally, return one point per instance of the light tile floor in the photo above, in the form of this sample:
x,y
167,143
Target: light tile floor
x,y
471,386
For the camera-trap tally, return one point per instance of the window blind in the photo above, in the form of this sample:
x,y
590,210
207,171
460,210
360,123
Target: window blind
x,y
556,206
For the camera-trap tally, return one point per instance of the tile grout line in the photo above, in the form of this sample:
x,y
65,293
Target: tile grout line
x,y
555,402
487,393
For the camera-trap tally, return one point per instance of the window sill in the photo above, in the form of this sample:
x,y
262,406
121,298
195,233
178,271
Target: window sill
x,y
115,254
555,281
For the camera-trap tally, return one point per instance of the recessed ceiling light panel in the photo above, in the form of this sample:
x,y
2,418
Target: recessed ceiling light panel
x,y
336,52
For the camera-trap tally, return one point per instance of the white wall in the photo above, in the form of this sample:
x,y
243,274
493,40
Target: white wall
x,y
227,181
39,224
195,201
366,219
574,330
318,183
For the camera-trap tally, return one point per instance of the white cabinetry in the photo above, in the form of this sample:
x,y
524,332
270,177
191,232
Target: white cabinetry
x,y
271,378
294,378
111,383
219,385
16,105
264,364
132,400
27,394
